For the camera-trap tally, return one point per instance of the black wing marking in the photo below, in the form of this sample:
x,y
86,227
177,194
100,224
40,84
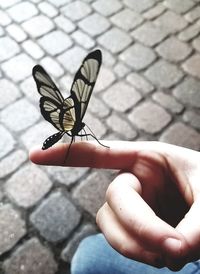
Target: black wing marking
x,y
45,85
84,82
51,140
52,105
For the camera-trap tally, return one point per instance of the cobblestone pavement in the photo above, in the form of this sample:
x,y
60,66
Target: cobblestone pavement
x,y
148,89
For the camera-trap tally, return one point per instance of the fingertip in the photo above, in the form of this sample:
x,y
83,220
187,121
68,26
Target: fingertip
x,y
34,153
172,246
176,253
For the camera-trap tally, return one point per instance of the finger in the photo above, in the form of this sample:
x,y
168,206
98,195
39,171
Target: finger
x,y
122,241
138,218
119,155
189,227
84,154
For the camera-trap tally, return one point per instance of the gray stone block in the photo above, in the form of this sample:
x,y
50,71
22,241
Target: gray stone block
x,y
55,218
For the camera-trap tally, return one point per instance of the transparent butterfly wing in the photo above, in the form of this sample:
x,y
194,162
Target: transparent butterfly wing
x,y
84,82
54,108
45,85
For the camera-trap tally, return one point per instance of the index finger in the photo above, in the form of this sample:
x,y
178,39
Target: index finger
x,y
85,154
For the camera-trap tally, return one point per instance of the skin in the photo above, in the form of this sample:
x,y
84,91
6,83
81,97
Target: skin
x,y
152,207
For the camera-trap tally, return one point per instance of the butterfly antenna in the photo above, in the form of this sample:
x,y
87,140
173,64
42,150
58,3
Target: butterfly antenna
x,y
93,135
68,150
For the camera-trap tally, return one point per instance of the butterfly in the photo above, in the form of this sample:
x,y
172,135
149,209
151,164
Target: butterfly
x,y
66,115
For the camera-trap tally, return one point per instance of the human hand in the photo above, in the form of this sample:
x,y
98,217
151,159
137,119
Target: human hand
x,y
144,214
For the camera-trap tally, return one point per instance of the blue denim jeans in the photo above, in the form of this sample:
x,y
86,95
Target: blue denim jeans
x,y
95,256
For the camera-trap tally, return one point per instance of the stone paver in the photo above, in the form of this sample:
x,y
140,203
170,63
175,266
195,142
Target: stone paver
x,y
173,50
56,217
64,24
11,162
107,8
149,117
7,141
38,26
12,227
28,88
193,14
168,102
98,108
108,56
192,118
22,11
48,9
14,70
1,31
27,186
140,83
179,6
113,96
154,11
9,48
16,32
55,42
33,49
95,124
115,40
6,4
121,126
188,92
4,19
163,74
189,33
54,67
141,5
12,93
69,250
105,79
67,176
15,119
71,58
32,257
121,70
191,65
126,19
94,24
149,34
138,56
83,39
59,3
76,10
171,22
91,192
182,135
196,43
148,88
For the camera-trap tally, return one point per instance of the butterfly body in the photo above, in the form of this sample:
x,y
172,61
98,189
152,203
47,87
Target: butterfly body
x,y
66,115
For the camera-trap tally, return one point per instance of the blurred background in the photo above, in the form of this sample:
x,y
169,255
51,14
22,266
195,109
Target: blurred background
x,y
148,89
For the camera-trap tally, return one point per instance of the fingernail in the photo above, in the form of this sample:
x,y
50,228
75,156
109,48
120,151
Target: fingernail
x,y
172,245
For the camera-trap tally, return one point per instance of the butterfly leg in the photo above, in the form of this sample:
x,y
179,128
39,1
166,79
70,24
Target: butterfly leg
x,y
93,136
68,150
86,136
81,136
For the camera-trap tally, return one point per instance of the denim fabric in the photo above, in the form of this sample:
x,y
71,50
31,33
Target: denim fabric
x,y
95,256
